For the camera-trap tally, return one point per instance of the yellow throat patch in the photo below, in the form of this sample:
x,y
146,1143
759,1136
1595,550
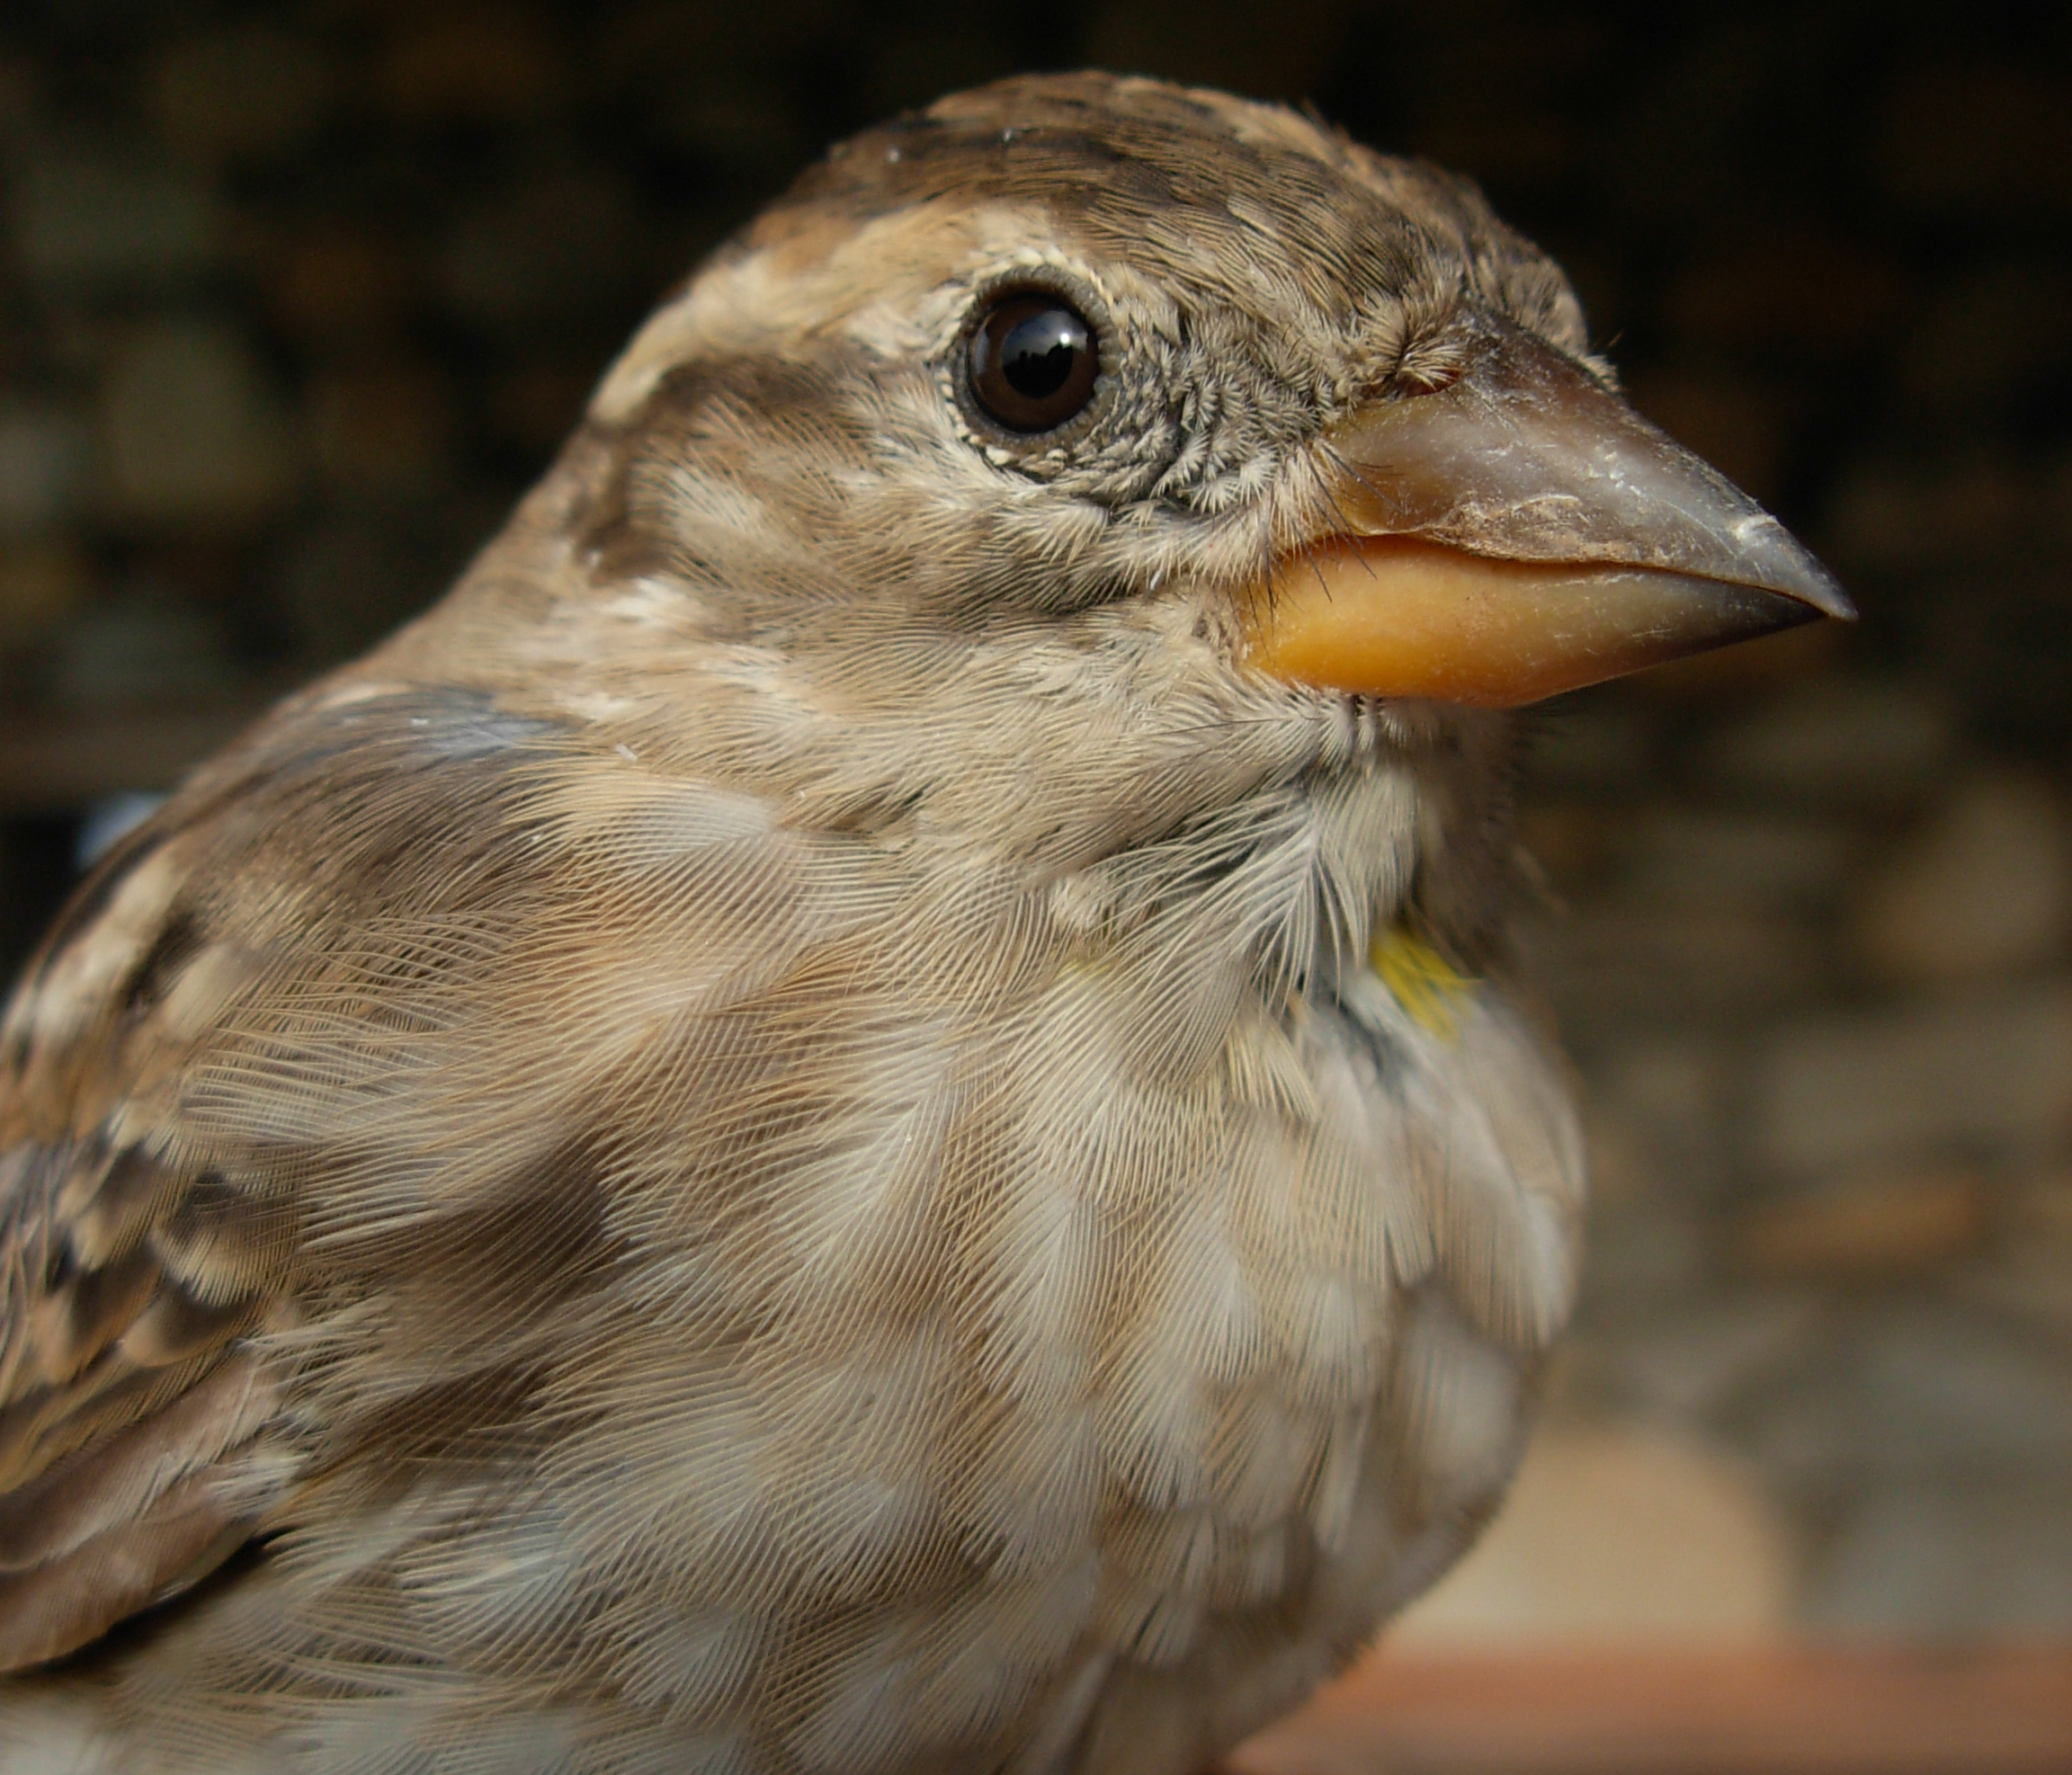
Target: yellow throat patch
x,y
1428,987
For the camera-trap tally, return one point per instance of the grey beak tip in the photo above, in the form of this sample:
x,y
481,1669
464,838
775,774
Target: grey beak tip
x,y
1819,588
1784,564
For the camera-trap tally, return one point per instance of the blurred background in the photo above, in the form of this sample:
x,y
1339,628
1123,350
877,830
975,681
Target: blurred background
x,y
296,299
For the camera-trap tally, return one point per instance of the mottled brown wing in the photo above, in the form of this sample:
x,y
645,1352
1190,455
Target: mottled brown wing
x,y
127,1408
153,1251
129,1419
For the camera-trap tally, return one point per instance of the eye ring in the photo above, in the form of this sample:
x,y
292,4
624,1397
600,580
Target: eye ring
x,y
1033,360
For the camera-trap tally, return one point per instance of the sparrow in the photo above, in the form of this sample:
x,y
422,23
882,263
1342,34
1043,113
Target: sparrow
x,y
866,1110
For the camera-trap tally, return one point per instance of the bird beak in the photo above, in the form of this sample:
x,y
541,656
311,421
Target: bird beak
x,y
1519,533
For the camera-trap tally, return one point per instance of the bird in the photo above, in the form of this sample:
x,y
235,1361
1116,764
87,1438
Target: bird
x,y
870,1107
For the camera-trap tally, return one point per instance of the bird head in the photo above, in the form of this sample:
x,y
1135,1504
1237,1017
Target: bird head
x,y
1076,458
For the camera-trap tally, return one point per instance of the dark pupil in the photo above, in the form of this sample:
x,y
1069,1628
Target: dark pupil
x,y
1033,363
1036,356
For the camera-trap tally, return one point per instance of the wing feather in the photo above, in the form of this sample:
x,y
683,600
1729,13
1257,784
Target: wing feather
x,y
149,1259
123,1407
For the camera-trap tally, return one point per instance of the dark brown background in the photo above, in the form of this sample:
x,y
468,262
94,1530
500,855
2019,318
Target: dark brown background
x,y
295,298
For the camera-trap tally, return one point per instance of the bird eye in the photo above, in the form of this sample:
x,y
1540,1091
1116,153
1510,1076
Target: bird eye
x,y
1033,361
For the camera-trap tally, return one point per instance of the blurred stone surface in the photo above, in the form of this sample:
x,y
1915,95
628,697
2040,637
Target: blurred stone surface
x,y
1910,1386
100,217
1692,1363
142,645
1840,741
333,281
1659,1117
1983,888
1873,1227
383,428
475,65
194,431
348,580
1620,961
250,90
2000,626
46,463
1645,1250
1705,856
750,126
1983,134
1567,840
1962,1560
2028,1275
2041,1211
1674,1089
1783,290
552,249
537,405
1989,1072
42,583
1901,517
2030,1283
1217,42
1986,338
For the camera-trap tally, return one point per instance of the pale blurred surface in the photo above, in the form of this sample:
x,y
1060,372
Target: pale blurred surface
x,y
1618,1533
1640,1712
